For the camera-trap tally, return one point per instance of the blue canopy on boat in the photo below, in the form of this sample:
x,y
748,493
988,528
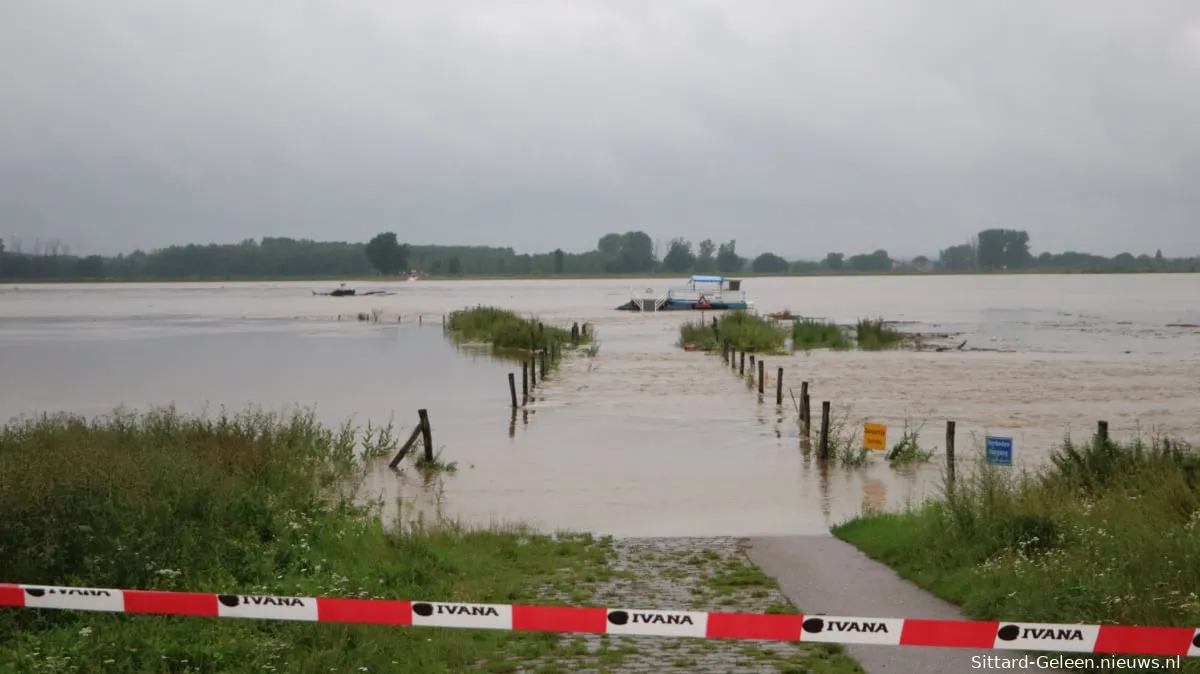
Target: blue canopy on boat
x,y
708,279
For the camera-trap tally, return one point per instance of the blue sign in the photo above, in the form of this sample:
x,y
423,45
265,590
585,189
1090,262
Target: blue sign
x,y
999,451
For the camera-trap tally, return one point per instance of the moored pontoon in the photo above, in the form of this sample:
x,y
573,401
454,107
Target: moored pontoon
x,y
700,294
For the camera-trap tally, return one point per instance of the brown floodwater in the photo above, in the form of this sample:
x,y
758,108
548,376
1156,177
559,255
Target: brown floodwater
x,y
642,438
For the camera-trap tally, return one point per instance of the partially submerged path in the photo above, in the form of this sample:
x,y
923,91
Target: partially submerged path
x,y
821,574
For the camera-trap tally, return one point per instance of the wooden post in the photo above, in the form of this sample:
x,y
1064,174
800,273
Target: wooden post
x,y
805,409
426,435
532,371
419,318
824,430
779,387
412,439
524,379
512,389
543,365
950,453
742,366
761,366
1102,431
732,357
575,332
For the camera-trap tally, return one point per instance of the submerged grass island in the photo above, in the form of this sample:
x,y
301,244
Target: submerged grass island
x,y
753,333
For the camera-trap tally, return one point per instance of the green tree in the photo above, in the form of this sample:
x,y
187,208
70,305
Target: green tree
x,y
386,254
559,260
770,263
454,268
1003,249
679,257
877,261
834,261
728,261
1,245
957,258
706,260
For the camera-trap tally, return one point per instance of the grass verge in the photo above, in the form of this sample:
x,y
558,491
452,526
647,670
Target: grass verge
x,y
743,330
251,503
1109,533
505,329
810,333
875,335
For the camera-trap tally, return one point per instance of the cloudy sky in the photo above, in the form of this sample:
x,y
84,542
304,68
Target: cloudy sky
x,y
797,127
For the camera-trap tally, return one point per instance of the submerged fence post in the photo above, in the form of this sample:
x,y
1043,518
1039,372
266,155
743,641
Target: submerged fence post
x,y
533,371
824,430
543,365
426,435
524,379
805,409
742,366
779,387
512,389
1102,431
950,453
761,366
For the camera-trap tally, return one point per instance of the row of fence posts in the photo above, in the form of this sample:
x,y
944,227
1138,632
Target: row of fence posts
x,y
538,357
805,405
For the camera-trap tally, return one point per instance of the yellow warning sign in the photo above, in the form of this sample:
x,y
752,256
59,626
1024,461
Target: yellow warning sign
x,y
875,437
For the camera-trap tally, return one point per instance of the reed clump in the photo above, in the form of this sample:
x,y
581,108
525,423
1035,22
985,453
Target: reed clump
x,y
742,330
875,335
810,333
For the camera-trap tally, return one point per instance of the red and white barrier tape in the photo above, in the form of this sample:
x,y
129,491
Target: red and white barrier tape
x,y
1113,639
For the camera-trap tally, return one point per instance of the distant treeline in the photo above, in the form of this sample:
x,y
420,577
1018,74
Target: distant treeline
x,y
633,253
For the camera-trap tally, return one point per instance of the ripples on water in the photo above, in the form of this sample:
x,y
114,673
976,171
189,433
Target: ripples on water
x,y
643,438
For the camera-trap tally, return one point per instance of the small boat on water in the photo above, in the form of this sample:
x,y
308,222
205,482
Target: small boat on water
x,y
343,291
702,293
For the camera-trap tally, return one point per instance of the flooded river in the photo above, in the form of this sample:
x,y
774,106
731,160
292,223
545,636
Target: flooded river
x,y
642,438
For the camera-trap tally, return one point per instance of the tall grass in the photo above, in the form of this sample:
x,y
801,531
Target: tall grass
x,y
810,333
743,330
505,329
875,335
1108,533
250,503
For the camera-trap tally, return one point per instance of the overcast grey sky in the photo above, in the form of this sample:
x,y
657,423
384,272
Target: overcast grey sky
x,y
796,127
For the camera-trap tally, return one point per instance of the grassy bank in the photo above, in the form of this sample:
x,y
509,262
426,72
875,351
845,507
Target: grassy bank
x,y
249,503
1109,533
743,330
505,329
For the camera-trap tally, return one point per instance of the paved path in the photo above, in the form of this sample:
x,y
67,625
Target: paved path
x,y
821,574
